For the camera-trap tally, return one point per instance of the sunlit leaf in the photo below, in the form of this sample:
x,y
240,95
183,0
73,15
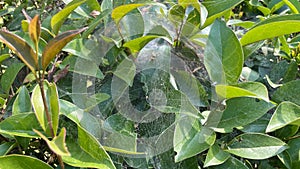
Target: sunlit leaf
x,y
119,12
56,44
58,143
137,44
256,146
223,56
22,103
59,18
215,156
272,27
22,162
87,152
52,105
286,113
190,138
35,29
246,89
21,48
20,125
217,8
231,163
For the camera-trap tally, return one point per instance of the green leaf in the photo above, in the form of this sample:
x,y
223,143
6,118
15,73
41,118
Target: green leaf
x,y
119,12
286,113
190,138
272,27
9,76
22,103
256,146
58,143
59,18
258,126
285,158
6,148
190,86
223,56
215,156
126,71
87,152
93,4
231,163
186,3
21,48
137,44
288,92
52,104
246,89
176,14
20,125
217,8
35,29
294,152
95,22
240,112
56,44
22,162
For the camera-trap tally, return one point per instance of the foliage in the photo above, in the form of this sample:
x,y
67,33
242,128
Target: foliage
x,y
148,84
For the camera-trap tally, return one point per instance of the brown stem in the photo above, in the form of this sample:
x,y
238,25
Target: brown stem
x,y
40,81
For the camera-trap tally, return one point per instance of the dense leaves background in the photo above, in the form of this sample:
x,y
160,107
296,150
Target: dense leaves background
x,y
150,84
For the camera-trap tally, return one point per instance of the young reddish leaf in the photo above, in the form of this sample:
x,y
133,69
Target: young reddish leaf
x,y
55,45
21,48
35,29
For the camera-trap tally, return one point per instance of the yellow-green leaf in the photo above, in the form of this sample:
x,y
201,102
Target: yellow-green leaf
x,y
58,143
56,44
35,29
58,19
21,48
119,12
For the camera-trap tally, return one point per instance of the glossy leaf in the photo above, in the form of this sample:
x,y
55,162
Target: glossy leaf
x,y
9,76
217,8
126,71
35,29
87,152
22,103
231,163
137,44
272,27
256,146
58,143
246,89
52,104
21,48
59,18
215,156
288,92
119,12
190,138
6,148
223,56
22,162
20,125
286,113
240,112
294,152
56,44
